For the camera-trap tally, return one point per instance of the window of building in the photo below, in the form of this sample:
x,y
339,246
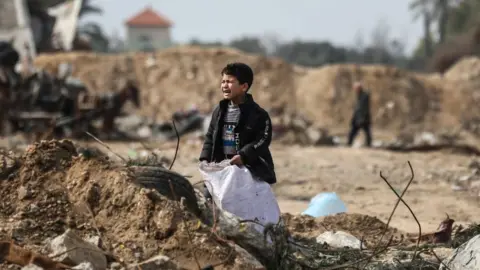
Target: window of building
x,y
146,43
144,39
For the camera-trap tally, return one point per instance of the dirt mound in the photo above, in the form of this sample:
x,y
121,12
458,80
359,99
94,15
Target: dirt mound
x,y
56,189
399,99
179,77
361,226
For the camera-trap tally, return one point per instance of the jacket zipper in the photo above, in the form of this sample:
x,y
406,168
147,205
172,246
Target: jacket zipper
x,y
237,134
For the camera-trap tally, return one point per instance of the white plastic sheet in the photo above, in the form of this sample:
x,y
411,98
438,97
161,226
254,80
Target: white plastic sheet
x,y
235,190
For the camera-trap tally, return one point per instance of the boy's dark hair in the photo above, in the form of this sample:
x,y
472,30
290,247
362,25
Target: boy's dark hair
x,y
241,71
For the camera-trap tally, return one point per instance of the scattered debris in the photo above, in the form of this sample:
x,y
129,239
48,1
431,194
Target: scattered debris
x,y
427,141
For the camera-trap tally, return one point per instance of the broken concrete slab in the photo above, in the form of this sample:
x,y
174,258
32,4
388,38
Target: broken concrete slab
x,y
77,250
465,257
340,239
84,266
32,267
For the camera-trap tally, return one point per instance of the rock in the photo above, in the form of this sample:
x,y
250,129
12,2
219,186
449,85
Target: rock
x,y
465,178
157,262
79,251
318,136
465,257
456,187
443,252
129,122
24,193
426,138
474,164
299,123
94,240
116,266
84,266
144,132
32,267
475,184
339,239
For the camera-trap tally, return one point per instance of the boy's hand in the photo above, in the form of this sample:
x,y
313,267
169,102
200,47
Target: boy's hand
x,y
236,160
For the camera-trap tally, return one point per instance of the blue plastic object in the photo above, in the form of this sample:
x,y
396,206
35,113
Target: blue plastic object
x,y
324,204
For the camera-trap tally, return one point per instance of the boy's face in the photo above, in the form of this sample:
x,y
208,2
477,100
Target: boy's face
x,y
231,88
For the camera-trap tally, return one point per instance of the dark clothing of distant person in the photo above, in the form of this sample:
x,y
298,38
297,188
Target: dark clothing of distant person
x,y
361,119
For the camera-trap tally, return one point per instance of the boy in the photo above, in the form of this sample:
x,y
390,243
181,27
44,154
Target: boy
x,y
240,130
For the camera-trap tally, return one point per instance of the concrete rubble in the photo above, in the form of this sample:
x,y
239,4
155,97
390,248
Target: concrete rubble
x,y
76,251
340,239
465,257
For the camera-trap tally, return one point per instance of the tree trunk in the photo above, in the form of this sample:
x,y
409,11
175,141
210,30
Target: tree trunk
x,y
428,46
443,21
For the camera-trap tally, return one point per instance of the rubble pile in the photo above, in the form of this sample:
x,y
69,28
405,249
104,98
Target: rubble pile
x,y
62,202
179,77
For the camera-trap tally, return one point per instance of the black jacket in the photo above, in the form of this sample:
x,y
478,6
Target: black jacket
x,y
361,114
253,134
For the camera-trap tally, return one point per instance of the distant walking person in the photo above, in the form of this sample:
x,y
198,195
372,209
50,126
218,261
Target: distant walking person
x,y
361,115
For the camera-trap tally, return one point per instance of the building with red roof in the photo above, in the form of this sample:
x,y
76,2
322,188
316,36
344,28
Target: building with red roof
x,y
148,30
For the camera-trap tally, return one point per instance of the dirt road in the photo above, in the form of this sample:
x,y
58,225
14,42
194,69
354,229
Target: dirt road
x,y
353,173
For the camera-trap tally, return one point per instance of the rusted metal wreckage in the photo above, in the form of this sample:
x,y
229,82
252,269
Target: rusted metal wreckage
x,y
57,105
36,101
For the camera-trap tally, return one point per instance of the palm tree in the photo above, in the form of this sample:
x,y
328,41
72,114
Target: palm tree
x,y
89,8
94,32
439,12
442,11
91,30
425,9
464,16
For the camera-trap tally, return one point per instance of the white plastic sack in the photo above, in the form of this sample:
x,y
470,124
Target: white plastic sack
x,y
235,190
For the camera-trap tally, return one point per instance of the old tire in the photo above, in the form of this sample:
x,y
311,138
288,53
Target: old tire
x,y
157,178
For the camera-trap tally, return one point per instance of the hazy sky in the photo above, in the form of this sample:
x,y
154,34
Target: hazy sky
x,y
337,21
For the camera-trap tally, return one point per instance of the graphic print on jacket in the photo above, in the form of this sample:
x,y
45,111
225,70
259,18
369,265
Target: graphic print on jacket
x,y
231,119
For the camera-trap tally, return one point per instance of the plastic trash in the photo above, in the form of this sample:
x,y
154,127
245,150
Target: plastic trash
x,y
324,204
